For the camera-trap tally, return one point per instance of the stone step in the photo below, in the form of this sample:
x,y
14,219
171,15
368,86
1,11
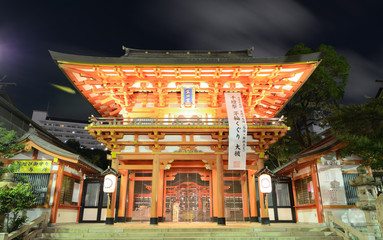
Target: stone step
x,y
155,229
208,238
183,234
94,232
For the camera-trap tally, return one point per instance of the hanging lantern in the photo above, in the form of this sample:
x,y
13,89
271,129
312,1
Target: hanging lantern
x,y
110,181
265,185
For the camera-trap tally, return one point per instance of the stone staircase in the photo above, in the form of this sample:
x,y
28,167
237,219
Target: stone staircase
x,y
157,233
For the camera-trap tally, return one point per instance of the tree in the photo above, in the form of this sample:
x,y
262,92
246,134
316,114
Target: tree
x,y
13,200
361,126
95,156
9,143
320,94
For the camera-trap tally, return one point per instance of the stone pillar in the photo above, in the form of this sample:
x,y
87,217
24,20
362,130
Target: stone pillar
x,y
379,211
220,192
155,176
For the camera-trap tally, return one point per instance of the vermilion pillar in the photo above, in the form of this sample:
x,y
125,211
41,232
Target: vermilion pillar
x,y
155,176
129,210
56,196
245,197
317,193
220,192
215,196
211,195
252,197
122,201
160,202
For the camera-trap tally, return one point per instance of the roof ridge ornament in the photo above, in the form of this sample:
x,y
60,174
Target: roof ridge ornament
x,y
250,51
127,50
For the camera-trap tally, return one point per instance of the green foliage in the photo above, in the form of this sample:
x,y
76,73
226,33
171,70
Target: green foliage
x,y
361,126
280,151
319,95
95,156
13,200
8,143
10,169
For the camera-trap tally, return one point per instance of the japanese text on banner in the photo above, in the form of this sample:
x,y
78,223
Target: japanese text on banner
x,y
237,131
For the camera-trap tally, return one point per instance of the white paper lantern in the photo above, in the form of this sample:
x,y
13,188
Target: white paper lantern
x,y
110,181
265,185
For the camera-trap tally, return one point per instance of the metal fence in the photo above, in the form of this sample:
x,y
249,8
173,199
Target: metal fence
x,y
351,192
39,183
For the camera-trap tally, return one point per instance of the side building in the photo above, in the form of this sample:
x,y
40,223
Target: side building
x,y
65,129
56,172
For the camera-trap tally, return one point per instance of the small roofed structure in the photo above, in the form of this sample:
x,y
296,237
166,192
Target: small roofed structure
x,y
320,180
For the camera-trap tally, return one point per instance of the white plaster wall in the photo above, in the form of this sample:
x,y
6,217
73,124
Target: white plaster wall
x,y
204,148
171,138
307,215
126,138
203,138
251,139
170,149
66,216
144,138
249,150
144,149
129,149
187,138
72,171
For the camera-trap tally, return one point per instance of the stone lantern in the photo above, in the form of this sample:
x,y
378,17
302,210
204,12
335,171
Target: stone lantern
x,y
367,194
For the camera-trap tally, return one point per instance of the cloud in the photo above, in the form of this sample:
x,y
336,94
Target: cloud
x,y
364,72
271,28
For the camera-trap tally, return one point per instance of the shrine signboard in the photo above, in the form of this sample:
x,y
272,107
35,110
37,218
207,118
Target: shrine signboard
x,y
34,166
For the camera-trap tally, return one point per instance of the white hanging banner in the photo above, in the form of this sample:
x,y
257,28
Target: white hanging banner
x,y
237,131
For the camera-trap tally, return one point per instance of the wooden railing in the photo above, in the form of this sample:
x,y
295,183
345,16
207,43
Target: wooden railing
x,y
30,230
344,230
152,122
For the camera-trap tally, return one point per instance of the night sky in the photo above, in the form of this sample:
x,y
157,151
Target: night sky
x,y
28,29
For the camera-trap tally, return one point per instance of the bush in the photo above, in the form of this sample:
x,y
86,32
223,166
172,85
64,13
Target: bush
x,y
13,200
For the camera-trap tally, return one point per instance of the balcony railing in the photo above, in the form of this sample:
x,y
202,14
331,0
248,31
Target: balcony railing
x,y
155,122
